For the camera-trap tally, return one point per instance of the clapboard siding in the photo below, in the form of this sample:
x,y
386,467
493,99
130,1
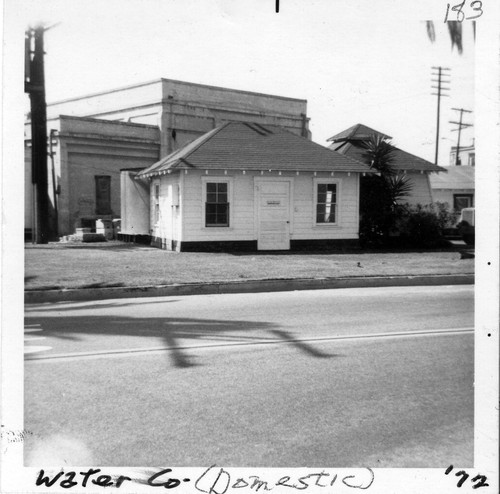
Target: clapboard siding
x,y
304,226
243,225
241,207
421,192
169,225
446,195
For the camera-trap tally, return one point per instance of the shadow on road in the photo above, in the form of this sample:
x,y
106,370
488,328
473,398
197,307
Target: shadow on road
x,y
175,333
89,306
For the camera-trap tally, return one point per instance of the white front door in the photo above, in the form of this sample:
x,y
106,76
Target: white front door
x,y
273,202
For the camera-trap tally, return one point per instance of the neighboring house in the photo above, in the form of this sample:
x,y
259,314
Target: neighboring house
x,y
466,155
351,142
245,186
97,135
455,187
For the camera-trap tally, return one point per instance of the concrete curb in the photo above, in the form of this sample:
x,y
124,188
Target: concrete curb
x,y
251,286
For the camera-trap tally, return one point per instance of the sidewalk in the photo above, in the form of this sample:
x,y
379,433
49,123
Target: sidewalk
x,y
251,286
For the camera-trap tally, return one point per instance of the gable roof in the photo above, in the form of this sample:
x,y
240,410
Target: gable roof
x,y
251,146
458,177
403,161
357,132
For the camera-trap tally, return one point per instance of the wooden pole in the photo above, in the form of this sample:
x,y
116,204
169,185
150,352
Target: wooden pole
x,y
36,89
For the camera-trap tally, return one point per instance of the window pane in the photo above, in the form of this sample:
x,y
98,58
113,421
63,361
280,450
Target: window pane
x,y
221,219
320,213
325,213
461,202
330,197
222,197
222,187
211,187
212,197
331,217
217,214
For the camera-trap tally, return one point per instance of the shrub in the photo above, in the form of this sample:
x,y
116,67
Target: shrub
x,y
424,226
447,218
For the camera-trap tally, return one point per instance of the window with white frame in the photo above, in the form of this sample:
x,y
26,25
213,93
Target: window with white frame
x,y
156,199
217,204
326,194
461,201
472,159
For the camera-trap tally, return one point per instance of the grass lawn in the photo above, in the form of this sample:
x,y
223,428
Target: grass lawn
x,y
120,264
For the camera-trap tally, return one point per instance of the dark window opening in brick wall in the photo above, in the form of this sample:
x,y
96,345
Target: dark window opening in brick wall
x,y
102,194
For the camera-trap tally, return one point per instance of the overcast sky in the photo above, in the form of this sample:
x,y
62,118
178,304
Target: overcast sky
x,y
352,61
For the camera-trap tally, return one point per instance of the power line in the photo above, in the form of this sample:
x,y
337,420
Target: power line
x,y
443,75
461,125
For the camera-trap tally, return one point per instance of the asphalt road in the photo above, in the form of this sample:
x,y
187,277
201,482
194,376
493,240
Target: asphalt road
x,y
326,378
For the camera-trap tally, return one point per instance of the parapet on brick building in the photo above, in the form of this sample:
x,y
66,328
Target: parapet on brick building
x,y
93,137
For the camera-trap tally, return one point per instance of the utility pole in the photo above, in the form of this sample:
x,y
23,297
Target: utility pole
x,y
442,74
34,84
461,126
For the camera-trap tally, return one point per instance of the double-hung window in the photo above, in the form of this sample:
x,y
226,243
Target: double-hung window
x,y
326,203
217,204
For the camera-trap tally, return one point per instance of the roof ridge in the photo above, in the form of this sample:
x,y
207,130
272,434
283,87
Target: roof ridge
x,y
204,141
324,147
350,133
260,131
171,158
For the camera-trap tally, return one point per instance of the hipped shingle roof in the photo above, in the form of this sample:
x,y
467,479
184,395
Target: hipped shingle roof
x,y
357,132
251,146
351,143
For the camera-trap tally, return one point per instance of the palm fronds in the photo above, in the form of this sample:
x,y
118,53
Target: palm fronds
x,y
379,155
398,187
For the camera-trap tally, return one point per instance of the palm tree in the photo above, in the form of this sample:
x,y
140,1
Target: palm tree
x,y
455,32
398,187
381,194
379,154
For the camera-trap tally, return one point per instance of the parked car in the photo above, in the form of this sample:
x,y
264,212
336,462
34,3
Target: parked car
x,y
466,225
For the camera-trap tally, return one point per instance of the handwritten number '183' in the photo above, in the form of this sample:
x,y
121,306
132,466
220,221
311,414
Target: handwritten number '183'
x,y
476,6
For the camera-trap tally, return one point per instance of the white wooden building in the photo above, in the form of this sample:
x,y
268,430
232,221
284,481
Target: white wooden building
x,y
456,188
246,186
